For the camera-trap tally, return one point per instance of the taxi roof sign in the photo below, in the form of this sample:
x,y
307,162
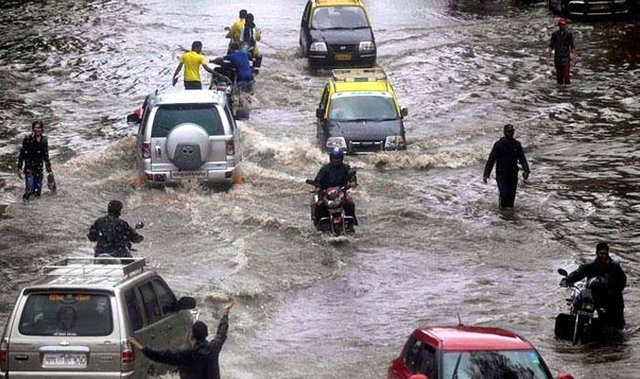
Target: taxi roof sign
x,y
373,74
337,2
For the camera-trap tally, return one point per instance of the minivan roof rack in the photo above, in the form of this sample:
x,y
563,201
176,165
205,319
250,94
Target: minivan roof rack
x,y
359,74
89,266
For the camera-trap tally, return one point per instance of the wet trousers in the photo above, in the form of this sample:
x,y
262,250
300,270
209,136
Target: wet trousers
x,y
507,185
615,311
562,73
32,183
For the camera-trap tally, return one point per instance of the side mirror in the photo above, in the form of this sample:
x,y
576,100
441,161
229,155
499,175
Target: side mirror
x,y
186,302
404,111
562,272
319,113
139,225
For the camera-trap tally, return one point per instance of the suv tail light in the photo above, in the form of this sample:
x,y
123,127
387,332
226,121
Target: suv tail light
x,y
231,147
4,350
145,149
128,354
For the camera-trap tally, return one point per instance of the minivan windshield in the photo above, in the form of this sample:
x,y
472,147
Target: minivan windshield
x,y
503,364
66,314
339,18
169,116
362,108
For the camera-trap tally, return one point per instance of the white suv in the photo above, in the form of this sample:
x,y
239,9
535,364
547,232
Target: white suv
x,y
76,320
187,135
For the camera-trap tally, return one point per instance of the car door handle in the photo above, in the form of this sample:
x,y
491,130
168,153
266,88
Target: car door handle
x,y
158,151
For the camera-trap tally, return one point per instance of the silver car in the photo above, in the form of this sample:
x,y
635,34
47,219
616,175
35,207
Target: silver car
x,y
187,136
75,322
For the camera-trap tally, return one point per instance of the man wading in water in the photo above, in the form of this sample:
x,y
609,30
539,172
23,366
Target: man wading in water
x,y
506,154
563,50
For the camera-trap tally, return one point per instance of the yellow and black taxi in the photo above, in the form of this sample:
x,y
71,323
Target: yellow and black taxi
x,y
337,32
359,112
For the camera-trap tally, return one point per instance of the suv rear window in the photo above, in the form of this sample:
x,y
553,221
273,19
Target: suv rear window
x,y
66,314
169,116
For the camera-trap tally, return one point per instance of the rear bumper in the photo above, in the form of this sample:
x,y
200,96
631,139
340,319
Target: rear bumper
x,y
68,374
598,7
227,176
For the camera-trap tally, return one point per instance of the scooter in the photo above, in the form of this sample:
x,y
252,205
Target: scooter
x,y
332,199
584,321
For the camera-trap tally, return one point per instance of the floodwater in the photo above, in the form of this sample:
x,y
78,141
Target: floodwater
x,y
432,242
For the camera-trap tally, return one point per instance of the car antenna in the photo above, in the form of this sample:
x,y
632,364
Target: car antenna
x,y
459,319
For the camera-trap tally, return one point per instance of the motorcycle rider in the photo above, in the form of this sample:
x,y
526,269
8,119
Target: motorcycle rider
x,y
248,38
336,173
615,281
112,234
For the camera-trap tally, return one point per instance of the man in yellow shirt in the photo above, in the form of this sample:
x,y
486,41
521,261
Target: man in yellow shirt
x,y
235,30
192,60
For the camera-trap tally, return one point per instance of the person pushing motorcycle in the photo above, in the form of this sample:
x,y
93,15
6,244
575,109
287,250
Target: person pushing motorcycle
x,y
336,173
614,281
113,236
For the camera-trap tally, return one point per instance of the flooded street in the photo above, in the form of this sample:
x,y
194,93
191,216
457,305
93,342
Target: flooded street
x,y
432,242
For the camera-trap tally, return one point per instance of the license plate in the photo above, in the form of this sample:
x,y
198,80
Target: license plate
x,y
188,174
343,57
65,360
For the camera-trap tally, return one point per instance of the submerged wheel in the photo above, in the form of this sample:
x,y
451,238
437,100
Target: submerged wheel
x,y
576,330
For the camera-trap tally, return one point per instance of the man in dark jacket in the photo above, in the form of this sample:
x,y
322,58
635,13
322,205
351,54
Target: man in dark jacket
x,y
336,173
199,361
615,278
563,49
506,154
34,152
112,234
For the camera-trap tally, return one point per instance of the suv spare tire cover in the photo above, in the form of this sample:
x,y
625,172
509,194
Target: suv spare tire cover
x,y
188,146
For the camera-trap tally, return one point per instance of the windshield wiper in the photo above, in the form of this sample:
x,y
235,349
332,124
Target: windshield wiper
x,y
455,369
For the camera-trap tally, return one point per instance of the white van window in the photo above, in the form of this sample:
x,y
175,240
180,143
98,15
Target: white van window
x,y
66,314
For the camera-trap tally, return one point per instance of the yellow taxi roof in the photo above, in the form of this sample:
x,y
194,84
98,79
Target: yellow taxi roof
x,y
329,3
358,79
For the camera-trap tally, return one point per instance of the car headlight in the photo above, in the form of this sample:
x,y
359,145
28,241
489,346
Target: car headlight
x,y
336,142
394,142
367,46
318,46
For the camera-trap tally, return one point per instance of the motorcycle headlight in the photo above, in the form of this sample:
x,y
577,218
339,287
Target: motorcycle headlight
x,y
394,142
318,47
587,306
367,46
333,203
336,142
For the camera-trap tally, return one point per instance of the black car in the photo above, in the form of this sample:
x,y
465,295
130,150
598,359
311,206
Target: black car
x,y
337,32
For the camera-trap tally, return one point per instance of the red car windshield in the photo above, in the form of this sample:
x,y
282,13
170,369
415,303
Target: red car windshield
x,y
514,364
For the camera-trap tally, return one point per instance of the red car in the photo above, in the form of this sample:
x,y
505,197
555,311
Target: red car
x,y
469,352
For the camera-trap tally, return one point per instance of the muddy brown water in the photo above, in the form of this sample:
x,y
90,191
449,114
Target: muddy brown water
x,y
432,243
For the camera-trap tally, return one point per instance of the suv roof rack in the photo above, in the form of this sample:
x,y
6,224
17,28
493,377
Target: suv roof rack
x,y
89,266
359,74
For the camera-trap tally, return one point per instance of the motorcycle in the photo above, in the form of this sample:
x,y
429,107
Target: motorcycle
x,y
237,93
105,258
332,199
584,322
